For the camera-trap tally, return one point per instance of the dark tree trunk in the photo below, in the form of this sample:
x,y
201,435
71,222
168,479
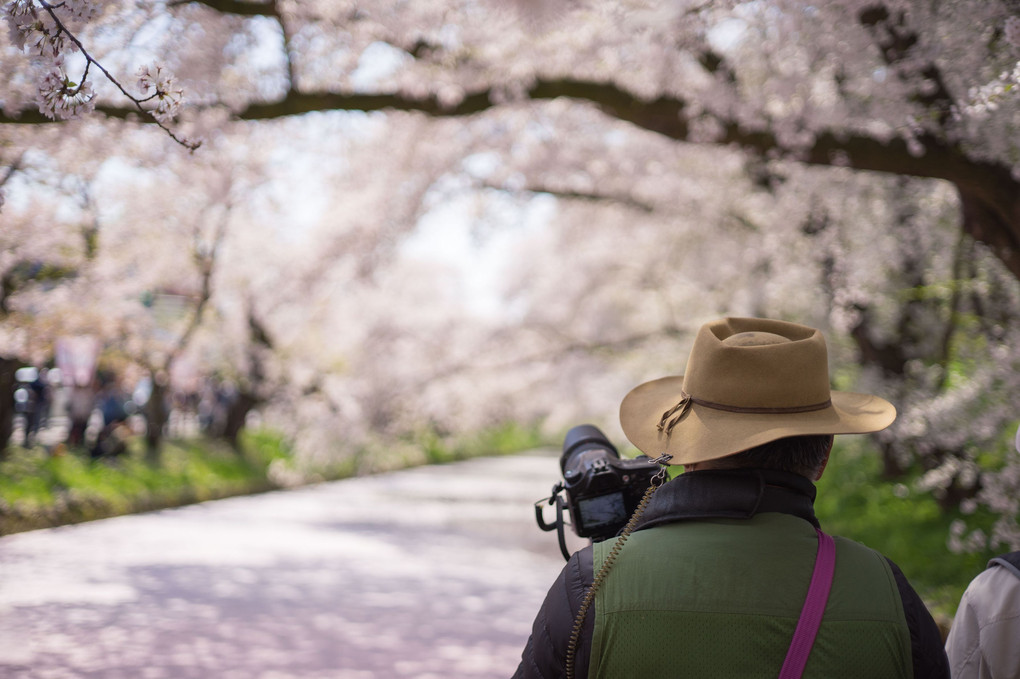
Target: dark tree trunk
x,y
7,368
890,360
156,416
237,413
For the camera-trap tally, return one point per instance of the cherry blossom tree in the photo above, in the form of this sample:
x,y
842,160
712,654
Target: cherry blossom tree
x,y
50,32
850,164
34,259
889,86
76,262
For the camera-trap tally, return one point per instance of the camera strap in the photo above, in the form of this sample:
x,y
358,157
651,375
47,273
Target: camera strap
x,y
589,597
814,607
557,499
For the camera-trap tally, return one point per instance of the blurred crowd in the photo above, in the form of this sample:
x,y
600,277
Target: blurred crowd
x,y
101,413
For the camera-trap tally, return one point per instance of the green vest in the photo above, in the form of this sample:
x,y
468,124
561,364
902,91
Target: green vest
x,y
721,598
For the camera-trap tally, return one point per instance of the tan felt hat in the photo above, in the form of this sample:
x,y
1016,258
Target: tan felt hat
x,y
748,381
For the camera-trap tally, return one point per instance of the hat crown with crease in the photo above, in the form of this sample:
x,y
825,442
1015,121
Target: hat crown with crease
x,y
748,381
774,365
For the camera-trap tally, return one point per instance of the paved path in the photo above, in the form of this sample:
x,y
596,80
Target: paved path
x,y
425,573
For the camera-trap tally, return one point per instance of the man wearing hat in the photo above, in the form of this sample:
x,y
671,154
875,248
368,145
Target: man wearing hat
x,y
727,573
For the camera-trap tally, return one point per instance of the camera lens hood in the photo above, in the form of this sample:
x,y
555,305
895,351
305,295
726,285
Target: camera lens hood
x,y
583,437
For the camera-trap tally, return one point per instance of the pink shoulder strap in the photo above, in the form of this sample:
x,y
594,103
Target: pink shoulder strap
x,y
814,608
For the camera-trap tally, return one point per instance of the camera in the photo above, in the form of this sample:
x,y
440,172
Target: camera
x,y
602,490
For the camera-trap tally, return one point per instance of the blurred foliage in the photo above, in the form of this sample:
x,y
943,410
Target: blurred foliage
x,y
905,524
502,439
40,488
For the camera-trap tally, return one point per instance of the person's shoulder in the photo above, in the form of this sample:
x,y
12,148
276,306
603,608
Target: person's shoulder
x,y
992,598
579,570
864,562
1009,561
995,580
1001,575
851,549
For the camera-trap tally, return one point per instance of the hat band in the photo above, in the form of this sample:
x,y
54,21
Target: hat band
x,y
686,401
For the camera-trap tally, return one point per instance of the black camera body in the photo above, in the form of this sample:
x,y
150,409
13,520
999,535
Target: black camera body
x,y
603,490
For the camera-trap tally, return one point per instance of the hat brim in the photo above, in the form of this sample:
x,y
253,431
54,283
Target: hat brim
x,y
707,433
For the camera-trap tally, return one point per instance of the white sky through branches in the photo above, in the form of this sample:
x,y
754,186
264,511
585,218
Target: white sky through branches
x,y
476,262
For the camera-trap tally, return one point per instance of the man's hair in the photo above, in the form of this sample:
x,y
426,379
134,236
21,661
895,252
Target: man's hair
x,y
802,455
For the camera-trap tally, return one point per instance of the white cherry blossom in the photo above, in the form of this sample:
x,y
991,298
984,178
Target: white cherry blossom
x,y
60,98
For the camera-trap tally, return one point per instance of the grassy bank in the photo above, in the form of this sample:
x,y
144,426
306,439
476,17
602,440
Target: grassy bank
x,y
40,489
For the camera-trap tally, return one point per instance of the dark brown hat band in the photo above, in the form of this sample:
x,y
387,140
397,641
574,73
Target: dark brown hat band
x,y
686,401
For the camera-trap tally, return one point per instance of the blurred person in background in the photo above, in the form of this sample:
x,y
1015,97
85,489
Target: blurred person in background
x,y
111,439
984,641
32,399
81,401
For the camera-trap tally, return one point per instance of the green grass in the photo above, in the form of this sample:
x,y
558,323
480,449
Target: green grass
x,y
906,525
39,489
503,439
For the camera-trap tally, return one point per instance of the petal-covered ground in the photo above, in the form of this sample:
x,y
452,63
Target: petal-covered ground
x,y
428,572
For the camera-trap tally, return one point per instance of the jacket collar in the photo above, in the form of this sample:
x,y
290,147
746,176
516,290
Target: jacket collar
x,y
730,494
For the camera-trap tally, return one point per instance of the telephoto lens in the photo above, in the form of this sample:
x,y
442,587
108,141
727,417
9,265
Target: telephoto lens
x,y
602,489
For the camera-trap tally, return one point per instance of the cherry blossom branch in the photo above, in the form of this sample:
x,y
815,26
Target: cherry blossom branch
x,y
585,196
989,193
238,7
206,262
60,97
249,8
8,172
169,99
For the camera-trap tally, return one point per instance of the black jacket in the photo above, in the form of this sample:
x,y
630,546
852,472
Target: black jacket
x,y
691,496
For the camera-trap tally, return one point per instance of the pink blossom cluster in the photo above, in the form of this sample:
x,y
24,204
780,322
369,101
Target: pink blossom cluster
x,y
34,30
158,84
983,100
60,98
987,98
44,30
